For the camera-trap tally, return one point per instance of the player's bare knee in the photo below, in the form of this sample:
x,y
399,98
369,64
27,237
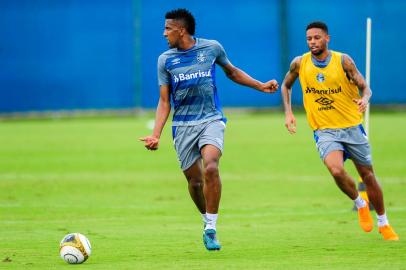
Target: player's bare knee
x,y
195,181
368,178
337,171
211,170
196,185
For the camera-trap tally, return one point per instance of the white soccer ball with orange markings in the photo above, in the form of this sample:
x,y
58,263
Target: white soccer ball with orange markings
x,y
75,248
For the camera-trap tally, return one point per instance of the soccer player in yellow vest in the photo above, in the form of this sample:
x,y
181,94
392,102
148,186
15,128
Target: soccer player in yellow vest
x,y
331,85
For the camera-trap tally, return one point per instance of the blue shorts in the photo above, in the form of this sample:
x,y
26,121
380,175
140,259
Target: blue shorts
x,y
189,140
353,141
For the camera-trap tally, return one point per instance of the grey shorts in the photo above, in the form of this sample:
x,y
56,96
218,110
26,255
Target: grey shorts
x,y
353,141
188,140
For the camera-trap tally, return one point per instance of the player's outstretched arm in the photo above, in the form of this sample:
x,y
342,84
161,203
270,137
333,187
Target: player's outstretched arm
x,y
290,78
355,76
162,112
240,77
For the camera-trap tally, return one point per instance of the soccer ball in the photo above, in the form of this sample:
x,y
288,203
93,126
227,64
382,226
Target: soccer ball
x,y
75,248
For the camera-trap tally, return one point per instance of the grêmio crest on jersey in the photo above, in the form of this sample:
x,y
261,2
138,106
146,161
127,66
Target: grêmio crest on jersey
x,y
201,57
320,77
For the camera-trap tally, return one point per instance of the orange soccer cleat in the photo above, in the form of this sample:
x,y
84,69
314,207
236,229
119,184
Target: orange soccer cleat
x,y
365,219
388,233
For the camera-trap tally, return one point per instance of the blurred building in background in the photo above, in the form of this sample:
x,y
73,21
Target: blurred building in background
x,y
88,54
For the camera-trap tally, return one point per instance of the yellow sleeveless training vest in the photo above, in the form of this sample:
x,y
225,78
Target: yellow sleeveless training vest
x,y
328,94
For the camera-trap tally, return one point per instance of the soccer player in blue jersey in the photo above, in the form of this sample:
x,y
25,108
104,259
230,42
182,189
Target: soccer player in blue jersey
x,y
186,74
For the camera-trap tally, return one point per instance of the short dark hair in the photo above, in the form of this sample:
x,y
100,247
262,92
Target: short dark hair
x,y
318,24
185,16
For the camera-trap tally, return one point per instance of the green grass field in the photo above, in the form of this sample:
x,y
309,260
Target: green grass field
x,y
280,209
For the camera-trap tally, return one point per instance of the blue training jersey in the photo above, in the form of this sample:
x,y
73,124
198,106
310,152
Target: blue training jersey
x,y
190,75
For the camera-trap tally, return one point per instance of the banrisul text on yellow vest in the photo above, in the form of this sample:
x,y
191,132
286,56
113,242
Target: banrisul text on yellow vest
x,y
328,94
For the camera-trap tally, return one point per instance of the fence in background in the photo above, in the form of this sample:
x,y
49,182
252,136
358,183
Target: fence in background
x,y
64,55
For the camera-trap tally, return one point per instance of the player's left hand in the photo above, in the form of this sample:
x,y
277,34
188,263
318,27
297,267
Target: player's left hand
x,y
290,123
270,86
150,142
362,104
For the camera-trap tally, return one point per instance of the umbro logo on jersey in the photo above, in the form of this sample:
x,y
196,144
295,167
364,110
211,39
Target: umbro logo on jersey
x,y
324,101
190,76
326,104
175,61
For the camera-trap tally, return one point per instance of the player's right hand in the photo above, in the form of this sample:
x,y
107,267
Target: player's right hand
x,y
290,123
270,86
150,142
